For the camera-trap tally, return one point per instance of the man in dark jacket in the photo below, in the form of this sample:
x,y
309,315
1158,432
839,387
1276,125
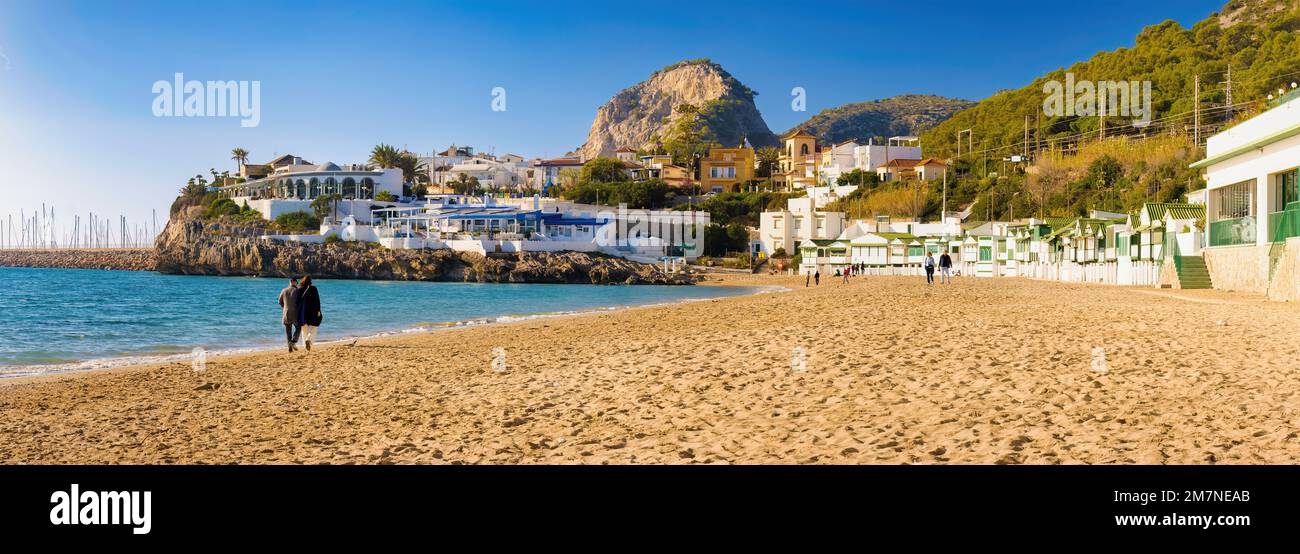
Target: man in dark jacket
x,y
310,314
290,310
945,268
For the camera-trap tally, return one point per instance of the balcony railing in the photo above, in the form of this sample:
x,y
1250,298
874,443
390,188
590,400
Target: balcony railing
x,y
1284,224
1232,232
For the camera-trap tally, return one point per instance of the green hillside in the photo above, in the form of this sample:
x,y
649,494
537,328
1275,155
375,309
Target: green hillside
x,y
1258,39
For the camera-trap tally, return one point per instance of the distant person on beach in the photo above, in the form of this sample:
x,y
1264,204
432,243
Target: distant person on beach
x,y
846,275
945,268
817,277
807,280
311,316
929,268
290,300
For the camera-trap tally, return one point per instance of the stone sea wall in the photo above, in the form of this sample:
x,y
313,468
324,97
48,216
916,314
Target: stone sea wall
x,y
136,259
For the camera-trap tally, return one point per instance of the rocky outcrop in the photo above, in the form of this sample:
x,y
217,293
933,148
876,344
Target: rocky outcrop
x,y
193,247
134,259
636,114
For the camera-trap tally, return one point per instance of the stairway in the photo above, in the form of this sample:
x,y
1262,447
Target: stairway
x,y
1192,273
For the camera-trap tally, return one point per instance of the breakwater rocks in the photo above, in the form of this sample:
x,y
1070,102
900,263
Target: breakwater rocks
x,y
134,259
194,247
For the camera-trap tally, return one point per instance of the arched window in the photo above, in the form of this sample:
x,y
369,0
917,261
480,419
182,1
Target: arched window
x,y
300,189
349,188
367,189
803,150
331,186
313,188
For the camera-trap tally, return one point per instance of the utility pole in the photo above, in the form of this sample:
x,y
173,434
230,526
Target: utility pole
x,y
943,211
1228,90
1038,133
1196,109
1026,145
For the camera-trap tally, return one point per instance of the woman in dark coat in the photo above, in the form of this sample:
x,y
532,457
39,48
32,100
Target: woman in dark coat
x,y
310,316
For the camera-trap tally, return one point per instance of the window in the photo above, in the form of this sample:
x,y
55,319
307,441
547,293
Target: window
x,y
986,254
1234,201
722,172
915,251
1287,190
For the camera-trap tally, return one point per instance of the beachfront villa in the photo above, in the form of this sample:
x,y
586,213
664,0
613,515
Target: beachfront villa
x,y
293,184
1253,204
784,230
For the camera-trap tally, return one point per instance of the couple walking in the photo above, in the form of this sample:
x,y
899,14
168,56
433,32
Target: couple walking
x,y
945,268
300,303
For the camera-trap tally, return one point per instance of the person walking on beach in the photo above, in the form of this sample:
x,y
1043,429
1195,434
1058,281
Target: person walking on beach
x,y
817,277
945,268
846,275
929,268
807,280
290,299
310,314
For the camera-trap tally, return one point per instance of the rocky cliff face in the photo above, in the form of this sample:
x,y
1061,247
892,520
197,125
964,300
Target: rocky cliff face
x,y
193,247
633,116
901,115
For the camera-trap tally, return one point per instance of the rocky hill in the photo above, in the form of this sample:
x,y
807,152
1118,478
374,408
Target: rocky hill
x,y
636,114
195,247
901,115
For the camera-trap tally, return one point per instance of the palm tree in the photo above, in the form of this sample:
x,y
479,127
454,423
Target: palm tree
x,y
768,158
384,156
240,156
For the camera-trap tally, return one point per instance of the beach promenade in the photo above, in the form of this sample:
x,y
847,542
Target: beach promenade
x,y
883,370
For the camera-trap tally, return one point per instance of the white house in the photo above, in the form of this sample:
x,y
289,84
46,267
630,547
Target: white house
x,y
798,223
491,174
870,156
1253,217
835,161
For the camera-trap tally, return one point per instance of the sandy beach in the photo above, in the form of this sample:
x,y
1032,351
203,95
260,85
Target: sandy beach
x,y
984,371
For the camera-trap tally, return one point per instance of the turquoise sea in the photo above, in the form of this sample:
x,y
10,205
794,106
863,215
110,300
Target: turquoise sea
x,y
69,319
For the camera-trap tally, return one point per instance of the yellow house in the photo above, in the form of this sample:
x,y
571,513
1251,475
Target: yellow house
x,y
726,169
798,153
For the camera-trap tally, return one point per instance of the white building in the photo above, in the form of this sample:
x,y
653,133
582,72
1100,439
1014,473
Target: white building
x,y
799,222
489,225
292,188
872,156
492,175
835,161
1252,203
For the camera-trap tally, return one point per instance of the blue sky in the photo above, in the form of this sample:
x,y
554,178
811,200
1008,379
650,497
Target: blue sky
x,y
77,131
